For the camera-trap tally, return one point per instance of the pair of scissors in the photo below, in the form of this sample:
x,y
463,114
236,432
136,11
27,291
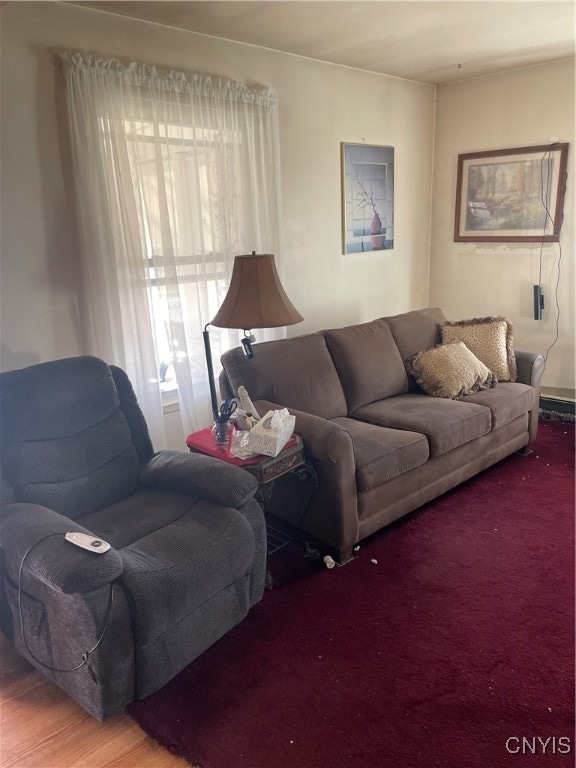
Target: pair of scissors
x,y
227,408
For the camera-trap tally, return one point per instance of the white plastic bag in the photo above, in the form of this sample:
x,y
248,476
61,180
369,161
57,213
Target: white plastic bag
x,y
239,447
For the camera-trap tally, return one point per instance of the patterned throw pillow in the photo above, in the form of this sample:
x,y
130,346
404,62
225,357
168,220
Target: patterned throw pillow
x,y
490,339
451,371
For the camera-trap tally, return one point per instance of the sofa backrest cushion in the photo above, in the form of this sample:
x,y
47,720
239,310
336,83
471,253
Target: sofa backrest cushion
x,y
368,362
415,331
295,373
66,443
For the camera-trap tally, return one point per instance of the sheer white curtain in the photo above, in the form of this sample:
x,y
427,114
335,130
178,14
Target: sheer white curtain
x,y
175,174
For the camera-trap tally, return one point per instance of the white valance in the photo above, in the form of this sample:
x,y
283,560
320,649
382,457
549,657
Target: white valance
x,y
141,74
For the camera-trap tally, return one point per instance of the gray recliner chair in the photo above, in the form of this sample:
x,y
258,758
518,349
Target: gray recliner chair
x,y
188,539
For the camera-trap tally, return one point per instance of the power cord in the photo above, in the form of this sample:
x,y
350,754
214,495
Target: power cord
x,y
85,656
545,199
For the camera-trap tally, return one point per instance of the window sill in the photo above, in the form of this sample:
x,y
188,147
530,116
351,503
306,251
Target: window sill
x,y
170,402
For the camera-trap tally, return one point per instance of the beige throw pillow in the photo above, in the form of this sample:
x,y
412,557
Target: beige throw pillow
x,y
490,339
450,370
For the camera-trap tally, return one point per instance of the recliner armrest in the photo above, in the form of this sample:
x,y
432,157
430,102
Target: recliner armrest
x,y
37,533
198,475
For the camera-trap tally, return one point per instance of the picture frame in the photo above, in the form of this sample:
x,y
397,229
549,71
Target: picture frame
x,y
367,198
511,195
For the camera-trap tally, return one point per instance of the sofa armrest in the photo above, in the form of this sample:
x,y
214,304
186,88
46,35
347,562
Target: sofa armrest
x,y
35,534
530,367
330,448
198,475
324,440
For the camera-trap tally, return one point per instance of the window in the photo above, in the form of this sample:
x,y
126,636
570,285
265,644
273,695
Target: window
x,y
175,175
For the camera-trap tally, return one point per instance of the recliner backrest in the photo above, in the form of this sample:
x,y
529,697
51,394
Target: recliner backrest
x,y
66,442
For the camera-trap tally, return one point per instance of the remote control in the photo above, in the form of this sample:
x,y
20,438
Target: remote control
x,y
91,543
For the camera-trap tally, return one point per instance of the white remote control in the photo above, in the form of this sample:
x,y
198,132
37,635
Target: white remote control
x,y
91,543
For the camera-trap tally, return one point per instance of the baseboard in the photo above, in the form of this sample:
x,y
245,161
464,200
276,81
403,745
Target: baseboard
x,y
560,408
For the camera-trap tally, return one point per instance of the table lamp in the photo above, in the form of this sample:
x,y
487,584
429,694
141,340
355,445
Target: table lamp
x,y
255,299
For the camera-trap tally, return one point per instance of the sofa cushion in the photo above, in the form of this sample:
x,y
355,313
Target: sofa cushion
x,y
446,423
295,373
368,362
415,331
381,454
490,339
507,401
450,370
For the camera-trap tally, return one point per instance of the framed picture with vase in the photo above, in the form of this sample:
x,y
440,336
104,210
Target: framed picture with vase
x,y
367,198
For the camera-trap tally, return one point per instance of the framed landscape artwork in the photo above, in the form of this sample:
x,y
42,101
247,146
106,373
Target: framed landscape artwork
x,y
367,198
511,195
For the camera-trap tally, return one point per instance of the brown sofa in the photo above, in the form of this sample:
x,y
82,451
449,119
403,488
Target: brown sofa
x,y
379,445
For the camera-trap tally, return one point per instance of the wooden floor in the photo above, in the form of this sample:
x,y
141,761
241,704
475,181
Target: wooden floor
x,y
41,727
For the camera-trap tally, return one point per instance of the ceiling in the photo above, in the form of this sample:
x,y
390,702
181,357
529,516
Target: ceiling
x,y
431,41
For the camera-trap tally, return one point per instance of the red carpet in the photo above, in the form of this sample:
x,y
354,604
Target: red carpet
x,y
456,643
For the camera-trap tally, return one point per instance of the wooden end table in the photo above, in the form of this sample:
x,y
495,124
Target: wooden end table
x,y
266,469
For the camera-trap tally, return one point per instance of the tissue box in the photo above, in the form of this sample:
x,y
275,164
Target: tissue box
x,y
269,439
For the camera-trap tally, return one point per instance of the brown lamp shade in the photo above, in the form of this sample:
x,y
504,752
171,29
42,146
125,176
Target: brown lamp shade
x,y
255,298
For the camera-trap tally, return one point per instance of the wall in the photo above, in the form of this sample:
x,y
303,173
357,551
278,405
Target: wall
x,y
524,107
321,105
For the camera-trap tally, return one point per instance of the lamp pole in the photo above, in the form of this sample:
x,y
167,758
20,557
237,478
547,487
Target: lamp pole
x,y
209,366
